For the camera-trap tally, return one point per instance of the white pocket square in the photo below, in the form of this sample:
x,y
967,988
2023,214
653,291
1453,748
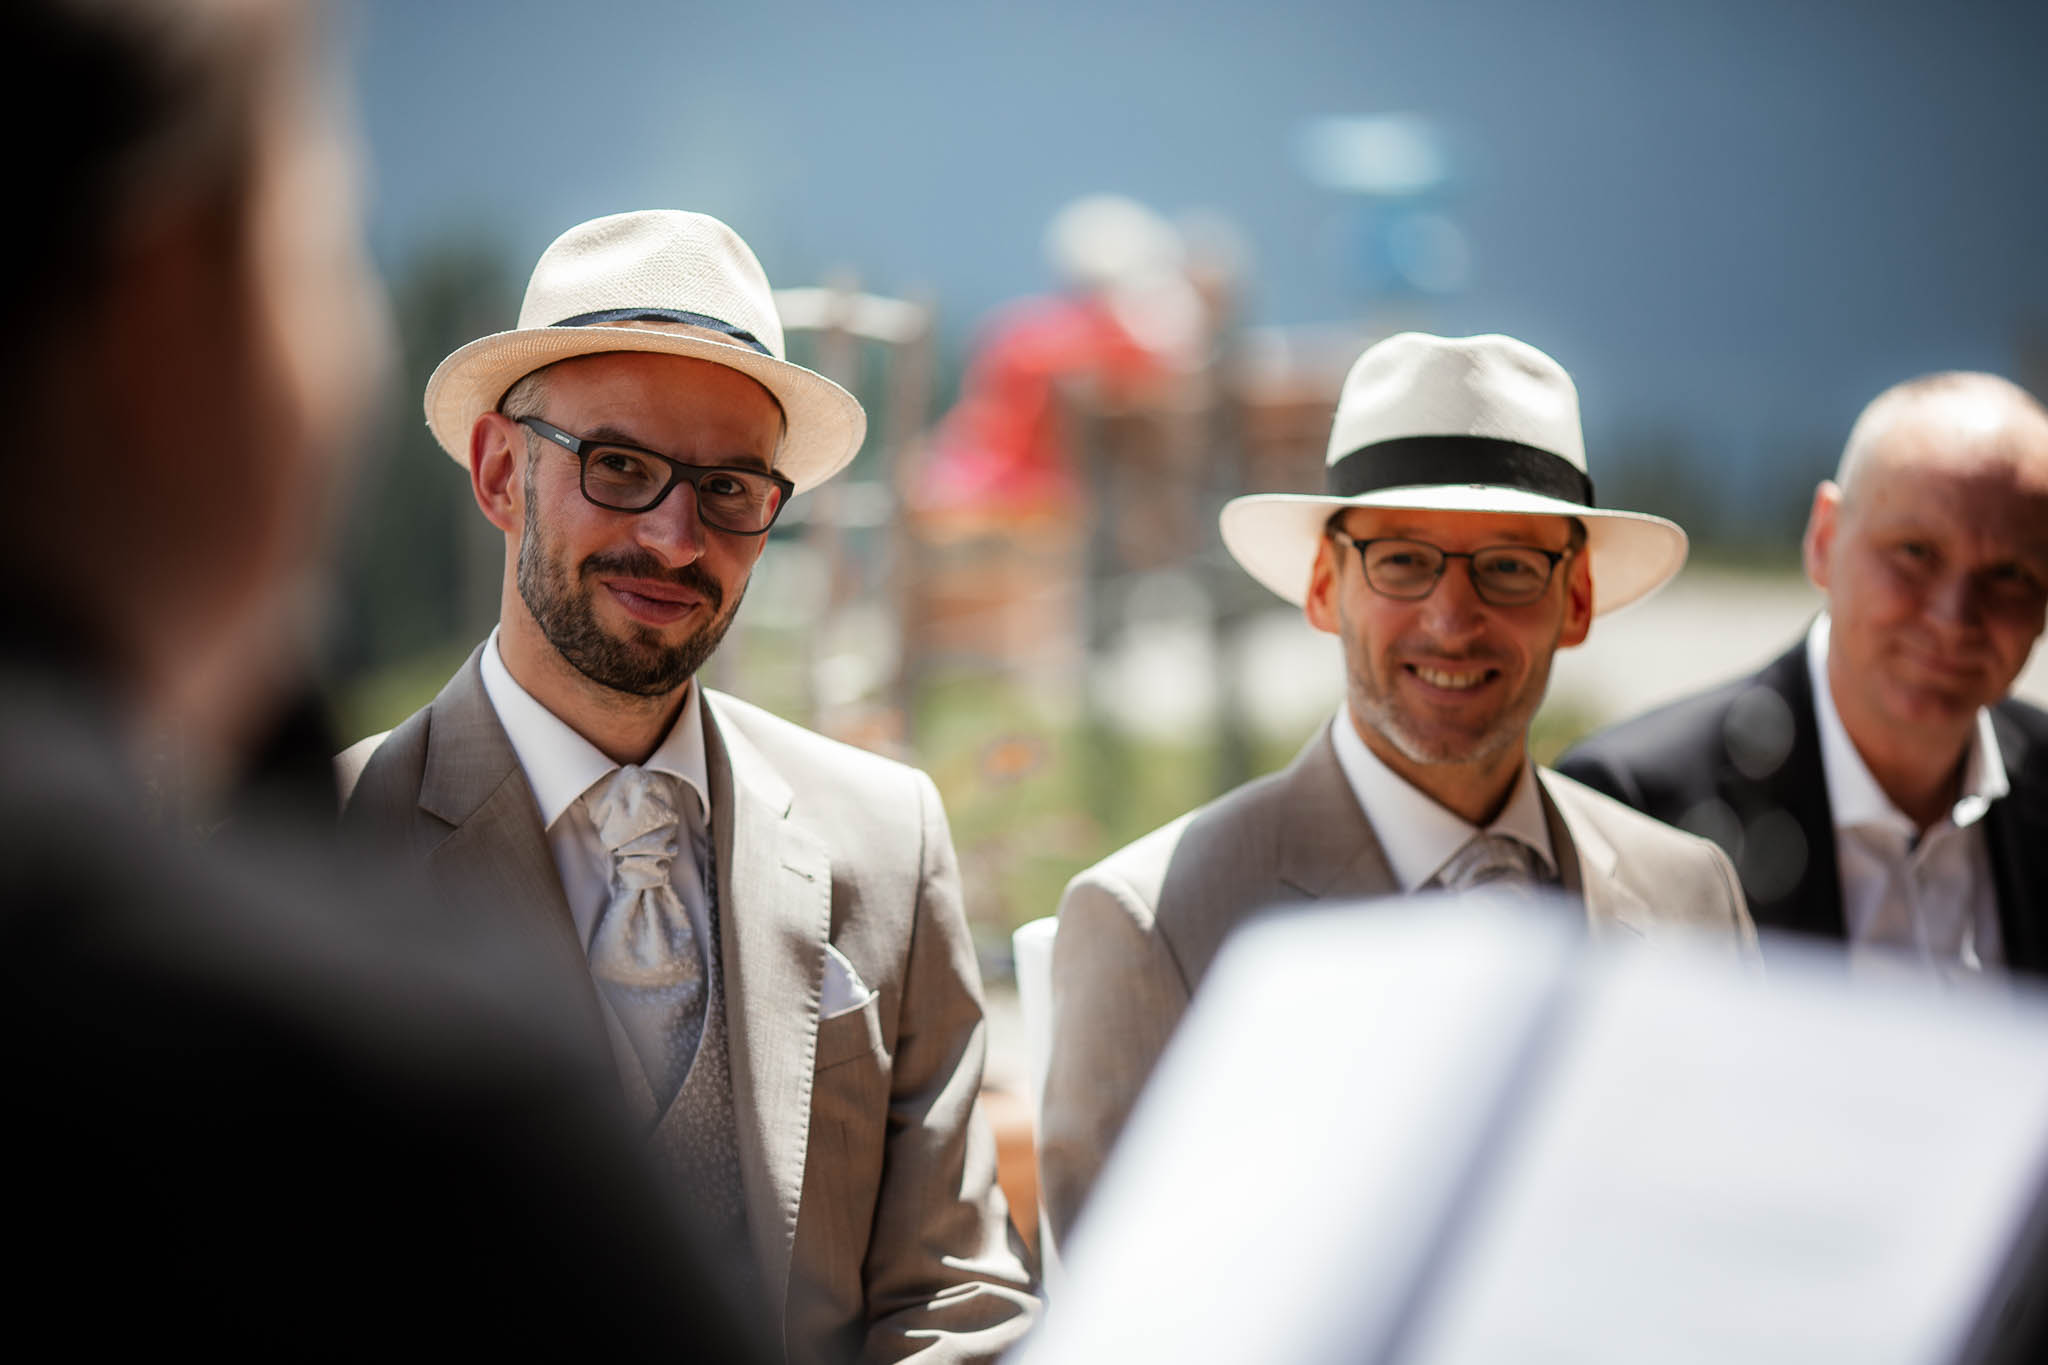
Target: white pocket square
x,y
844,990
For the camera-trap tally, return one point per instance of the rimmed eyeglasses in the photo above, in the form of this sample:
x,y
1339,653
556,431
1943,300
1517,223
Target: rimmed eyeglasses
x,y
623,478
1502,575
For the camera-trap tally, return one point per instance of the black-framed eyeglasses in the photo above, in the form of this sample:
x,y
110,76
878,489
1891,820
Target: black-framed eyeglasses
x,y
1502,575
623,478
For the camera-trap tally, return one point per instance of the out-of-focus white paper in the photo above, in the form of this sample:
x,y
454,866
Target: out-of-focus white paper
x,y
1427,1132
1300,1137
1723,1169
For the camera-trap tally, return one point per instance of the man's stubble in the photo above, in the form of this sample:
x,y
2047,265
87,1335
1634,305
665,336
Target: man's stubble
x,y
1374,701
640,665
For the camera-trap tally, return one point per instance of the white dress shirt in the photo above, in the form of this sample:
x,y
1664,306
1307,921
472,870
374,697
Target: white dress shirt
x,y
562,766
1418,835
1923,902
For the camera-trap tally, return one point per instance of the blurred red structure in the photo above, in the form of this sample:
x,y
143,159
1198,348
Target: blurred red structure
x,y
1002,452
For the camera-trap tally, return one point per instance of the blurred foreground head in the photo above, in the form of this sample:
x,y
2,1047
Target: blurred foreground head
x,y
325,1112
188,346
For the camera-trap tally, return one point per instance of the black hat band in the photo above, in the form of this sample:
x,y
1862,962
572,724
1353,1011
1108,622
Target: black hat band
x,y
667,315
1409,461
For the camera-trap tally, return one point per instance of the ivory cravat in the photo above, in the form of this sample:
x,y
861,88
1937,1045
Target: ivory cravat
x,y
644,951
1488,860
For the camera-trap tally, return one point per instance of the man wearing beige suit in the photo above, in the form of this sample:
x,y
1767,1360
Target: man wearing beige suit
x,y
767,923
1456,549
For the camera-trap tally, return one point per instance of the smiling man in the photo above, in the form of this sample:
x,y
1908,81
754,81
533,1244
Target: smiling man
x,y
1456,550
1875,784
766,924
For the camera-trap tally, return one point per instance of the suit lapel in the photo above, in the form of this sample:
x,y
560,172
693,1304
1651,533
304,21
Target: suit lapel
x,y
1812,902
1589,867
775,902
1325,847
2016,838
641,1109
496,857
1331,851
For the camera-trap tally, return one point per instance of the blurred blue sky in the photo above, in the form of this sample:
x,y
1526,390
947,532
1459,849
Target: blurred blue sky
x,y
1739,218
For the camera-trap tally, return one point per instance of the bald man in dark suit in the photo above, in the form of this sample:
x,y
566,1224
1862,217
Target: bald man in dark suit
x,y
1876,784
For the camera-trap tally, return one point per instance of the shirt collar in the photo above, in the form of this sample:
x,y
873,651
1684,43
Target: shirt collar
x,y
561,765
1854,796
1418,835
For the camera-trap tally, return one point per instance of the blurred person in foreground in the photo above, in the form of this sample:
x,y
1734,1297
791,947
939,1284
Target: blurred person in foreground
x,y
1875,783
249,1111
1457,548
766,924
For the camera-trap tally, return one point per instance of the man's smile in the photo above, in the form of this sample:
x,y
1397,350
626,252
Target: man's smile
x,y
654,601
1460,680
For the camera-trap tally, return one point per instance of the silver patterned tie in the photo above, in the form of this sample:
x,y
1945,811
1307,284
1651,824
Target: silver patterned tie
x,y
1490,860
644,951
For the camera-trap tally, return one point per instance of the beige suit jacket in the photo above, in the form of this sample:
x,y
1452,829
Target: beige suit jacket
x,y
1138,931
869,1175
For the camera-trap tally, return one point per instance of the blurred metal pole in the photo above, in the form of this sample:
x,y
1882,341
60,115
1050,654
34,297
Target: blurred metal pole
x,y
1105,758
825,533
907,415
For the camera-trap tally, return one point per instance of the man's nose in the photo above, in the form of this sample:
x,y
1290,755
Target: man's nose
x,y
1957,601
1454,608
672,531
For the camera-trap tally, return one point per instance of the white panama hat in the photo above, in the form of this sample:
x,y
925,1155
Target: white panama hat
x,y
1455,424
663,267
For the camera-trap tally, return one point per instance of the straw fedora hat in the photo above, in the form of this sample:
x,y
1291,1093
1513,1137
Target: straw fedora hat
x,y
1455,424
660,280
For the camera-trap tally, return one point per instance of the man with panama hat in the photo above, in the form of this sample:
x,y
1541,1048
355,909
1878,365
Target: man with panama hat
x,y
1456,549
768,923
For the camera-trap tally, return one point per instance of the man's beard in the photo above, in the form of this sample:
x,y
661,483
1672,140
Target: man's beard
x,y
1374,697
1508,730
640,665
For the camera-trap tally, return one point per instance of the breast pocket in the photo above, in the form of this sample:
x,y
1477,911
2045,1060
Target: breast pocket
x,y
851,1034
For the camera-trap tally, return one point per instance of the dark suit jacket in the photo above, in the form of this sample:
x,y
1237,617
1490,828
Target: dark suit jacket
x,y
1741,764
257,1109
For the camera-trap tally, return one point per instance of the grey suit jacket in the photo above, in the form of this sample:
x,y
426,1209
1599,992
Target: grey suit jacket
x,y
869,1175
1138,931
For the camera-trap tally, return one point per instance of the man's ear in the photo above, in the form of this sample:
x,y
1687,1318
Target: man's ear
x,y
1320,606
1578,601
497,446
1819,542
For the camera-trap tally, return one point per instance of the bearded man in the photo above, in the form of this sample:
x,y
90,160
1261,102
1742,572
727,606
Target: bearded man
x,y
766,924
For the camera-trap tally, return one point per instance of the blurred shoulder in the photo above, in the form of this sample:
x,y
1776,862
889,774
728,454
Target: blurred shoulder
x,y
1758,710
815,765
1677,728
382,773
2022,730
1210,853
1618,822
1677,878
2021,717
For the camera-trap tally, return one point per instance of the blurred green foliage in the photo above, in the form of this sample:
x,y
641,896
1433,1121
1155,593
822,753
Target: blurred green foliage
x,y
1034,799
